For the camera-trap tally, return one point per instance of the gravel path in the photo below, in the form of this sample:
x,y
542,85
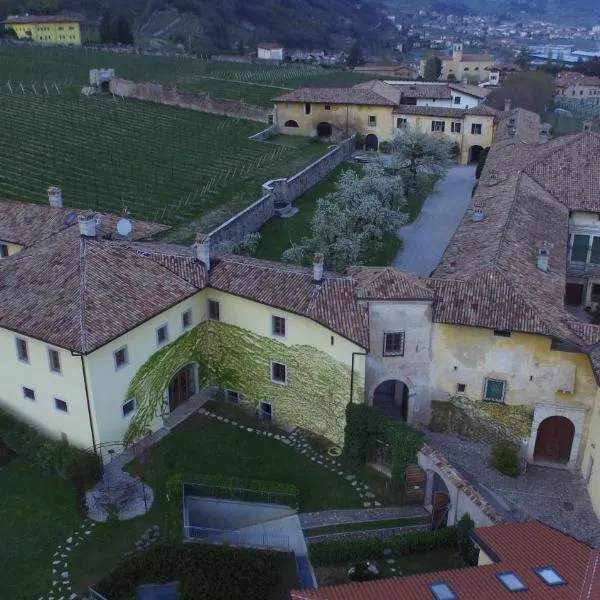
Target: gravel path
x,y
336,517
554,496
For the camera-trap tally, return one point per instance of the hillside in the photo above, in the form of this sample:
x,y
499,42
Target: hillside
x,y
204,24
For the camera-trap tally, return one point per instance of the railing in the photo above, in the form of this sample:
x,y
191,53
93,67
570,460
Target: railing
x,y
94,595
209,535
581,268
240,493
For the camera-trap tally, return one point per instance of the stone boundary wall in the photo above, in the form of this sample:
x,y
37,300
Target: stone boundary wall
x,y
154,92
253,217
383,534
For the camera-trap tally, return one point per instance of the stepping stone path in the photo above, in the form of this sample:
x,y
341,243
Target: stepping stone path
x,y
61,588
147,538
297,441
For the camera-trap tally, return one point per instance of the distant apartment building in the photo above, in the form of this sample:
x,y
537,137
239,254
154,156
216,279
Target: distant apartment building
x,y
570,84
269,51
49,29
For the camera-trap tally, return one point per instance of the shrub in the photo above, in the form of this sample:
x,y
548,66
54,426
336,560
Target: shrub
x,y
385,147
6,454
340,552
466,548
361,572
505,459
455,150
359,141
81,467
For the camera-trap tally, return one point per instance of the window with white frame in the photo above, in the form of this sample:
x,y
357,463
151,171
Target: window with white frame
x,y
456,99
393,343
401,122
455,126
128,407
162,335
61,405
22,350
476,129
494,390
439,126
372,121
186,319
278,372
214,310
278,326
54,360
121,357
28,393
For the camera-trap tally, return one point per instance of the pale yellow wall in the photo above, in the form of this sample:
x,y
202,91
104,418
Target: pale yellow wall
x,y
68,386
109,386
484,139
478,70
578,91
591,470
469,355
483,559
352,118
48,33
12,248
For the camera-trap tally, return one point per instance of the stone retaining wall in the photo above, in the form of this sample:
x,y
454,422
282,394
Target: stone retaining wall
x,y
253,217
154,92
383,534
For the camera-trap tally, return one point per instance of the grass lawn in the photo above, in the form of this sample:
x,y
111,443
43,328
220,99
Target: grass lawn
x,y
365,525
438,559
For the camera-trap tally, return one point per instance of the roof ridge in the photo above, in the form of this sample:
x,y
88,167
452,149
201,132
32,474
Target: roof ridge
x,y
590,576
83,292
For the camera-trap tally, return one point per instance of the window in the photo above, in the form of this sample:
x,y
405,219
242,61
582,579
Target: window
x,y
438,126
307,109
476,69
22,351
121,358
162,335
327,107
461,388
3,250
442,591
54,360
128,407
186,319
214,312
372,121
278,372
476,129
400,122
232,396
511,582
456,99
579,249
455,126
595,292
501,332
494,390
61,405
278,326
393,343
549,576
466,68
28,393
595,251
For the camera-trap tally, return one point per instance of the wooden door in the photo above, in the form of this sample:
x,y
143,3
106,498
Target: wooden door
x,y
178,389
554,440
439,511
574,294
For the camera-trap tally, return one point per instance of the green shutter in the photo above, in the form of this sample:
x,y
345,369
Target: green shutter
x,y
494,390
580,248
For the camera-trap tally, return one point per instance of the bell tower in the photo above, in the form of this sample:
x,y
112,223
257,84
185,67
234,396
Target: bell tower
x,y
457,52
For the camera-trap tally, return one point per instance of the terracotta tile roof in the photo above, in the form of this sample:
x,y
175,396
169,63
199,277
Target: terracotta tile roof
x,y
520,548
391,92
335,96
483,111
424,90
471,58
43,19
471,90
569,78
429,111
25,223
375,283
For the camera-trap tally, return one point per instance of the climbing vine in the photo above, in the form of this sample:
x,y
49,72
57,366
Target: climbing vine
x,y
228,356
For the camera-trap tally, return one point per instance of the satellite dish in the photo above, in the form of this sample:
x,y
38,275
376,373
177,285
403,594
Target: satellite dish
x,y
124,227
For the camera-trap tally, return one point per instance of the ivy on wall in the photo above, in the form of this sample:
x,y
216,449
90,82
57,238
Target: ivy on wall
x,y
228,356
482,421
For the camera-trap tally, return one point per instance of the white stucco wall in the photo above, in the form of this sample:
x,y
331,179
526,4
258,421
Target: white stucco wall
x,y
414,318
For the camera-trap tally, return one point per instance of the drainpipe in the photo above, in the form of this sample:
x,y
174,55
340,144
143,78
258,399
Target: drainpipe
x,y
87,397
352,373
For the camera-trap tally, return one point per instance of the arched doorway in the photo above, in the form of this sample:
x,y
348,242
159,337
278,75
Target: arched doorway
x,y
183,385
554,440
324,130
391,397
475,153
439,502
290,123
371,142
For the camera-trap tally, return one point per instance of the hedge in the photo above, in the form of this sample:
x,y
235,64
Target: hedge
x,y
365,425
347,551
202,570
222,486
81,467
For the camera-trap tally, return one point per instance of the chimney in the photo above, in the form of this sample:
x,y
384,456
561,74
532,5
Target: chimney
x,y
507,104
318,267
587,126
202,247
543,258
87,225
55,196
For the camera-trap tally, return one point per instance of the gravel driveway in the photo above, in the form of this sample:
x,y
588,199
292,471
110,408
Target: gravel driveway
x,y
426,238
554,496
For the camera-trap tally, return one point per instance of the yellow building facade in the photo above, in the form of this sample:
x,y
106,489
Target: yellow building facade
x,y
471,67
47,29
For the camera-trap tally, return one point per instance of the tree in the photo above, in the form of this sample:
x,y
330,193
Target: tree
x,y
355,57
523,59
240,48
531,90
416,154
107,31
123,34
352,220
433,69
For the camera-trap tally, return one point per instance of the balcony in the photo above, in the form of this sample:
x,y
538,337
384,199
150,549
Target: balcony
x,y
581,269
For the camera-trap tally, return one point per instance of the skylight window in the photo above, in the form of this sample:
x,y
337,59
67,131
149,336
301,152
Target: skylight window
x,y
549,576
442,591
512,582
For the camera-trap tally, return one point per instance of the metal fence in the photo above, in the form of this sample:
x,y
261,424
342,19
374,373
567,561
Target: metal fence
x,y
243,494
209,535
94,595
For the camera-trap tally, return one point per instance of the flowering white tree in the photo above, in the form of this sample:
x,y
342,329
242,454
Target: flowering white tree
x,y
354,218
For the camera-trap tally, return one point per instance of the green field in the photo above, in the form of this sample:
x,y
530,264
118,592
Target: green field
x,y
256,84
166,164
